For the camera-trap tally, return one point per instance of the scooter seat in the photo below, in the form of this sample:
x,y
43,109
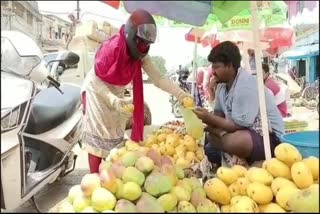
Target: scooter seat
x,y
50,108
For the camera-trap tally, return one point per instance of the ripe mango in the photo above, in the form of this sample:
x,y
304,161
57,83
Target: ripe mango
x,y
242,184
131,145
166,160
179,172
129,158
168,201
144,164
131,191
225,208
244,204
107,180
162,137
206,206
283,196
196,196
278,168
81,202
271,208
287,153
185,206
313,164
279,183
89,183
184,183
170,172
172,139
148,204
217,191
169,150
117,169
181,193
125,206
188,102
239,170
157,184
301,175
74,192
190,143
134,175
191,157
182,162
119,192
194,183
102,199
259,175
260,193
200,154
155,156
151,139
227,175
234,200
234,189
306,201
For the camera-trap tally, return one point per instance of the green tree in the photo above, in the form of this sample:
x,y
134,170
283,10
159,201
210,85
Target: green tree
x,y
201,61
160,62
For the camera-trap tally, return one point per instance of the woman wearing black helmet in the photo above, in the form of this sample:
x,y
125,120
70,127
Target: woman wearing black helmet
x,y
117,63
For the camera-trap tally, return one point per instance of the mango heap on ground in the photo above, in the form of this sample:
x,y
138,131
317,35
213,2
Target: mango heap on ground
x,y
183,149
284,183
138,179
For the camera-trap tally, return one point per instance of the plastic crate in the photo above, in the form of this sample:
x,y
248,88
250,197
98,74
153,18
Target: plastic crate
x,y
307,142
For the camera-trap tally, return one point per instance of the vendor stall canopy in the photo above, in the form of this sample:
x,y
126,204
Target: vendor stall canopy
x,y
225,15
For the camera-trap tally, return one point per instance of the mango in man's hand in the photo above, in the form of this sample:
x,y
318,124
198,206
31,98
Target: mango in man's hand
x,y
188,102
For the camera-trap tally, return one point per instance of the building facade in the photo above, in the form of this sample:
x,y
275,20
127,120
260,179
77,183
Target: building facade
x,y
49,31
55,33
21,16
304,55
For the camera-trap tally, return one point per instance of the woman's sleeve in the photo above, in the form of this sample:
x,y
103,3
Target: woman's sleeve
x,y
101,91
160,81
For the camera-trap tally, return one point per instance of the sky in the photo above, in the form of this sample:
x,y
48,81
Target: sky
x,y
170,43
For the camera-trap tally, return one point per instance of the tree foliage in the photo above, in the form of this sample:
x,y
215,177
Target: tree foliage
x,y
160,63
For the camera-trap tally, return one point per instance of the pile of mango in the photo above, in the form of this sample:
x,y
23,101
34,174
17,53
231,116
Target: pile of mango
x,y
138,179
284,183
184,149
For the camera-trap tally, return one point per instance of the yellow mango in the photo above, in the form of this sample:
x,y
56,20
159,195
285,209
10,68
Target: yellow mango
x,y
301,175
227,175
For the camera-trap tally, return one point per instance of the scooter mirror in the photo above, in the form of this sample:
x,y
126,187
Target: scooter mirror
x,y
70,58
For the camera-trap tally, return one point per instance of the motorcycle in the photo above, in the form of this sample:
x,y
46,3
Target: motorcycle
x,y
41,121
175,105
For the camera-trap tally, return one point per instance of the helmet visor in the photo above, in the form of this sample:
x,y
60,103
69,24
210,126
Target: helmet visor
x,y
147,32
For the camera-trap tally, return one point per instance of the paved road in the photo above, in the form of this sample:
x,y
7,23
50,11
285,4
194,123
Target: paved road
x,y
161,113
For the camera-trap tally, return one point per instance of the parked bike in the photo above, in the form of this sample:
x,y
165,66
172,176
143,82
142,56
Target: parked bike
x,y
40,127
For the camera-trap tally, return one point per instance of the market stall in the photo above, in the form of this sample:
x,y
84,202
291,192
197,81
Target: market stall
x,y
165,172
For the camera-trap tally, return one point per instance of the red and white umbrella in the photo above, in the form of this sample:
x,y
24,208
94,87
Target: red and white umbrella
x,y
270,37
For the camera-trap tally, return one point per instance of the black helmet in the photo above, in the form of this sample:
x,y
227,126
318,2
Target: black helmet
x,y
141,31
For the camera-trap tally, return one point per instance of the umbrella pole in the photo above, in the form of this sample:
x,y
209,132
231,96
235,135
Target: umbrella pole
x,y
194,68
261,91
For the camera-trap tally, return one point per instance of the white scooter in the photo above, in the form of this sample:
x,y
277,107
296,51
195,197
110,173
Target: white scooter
x,y
39,126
